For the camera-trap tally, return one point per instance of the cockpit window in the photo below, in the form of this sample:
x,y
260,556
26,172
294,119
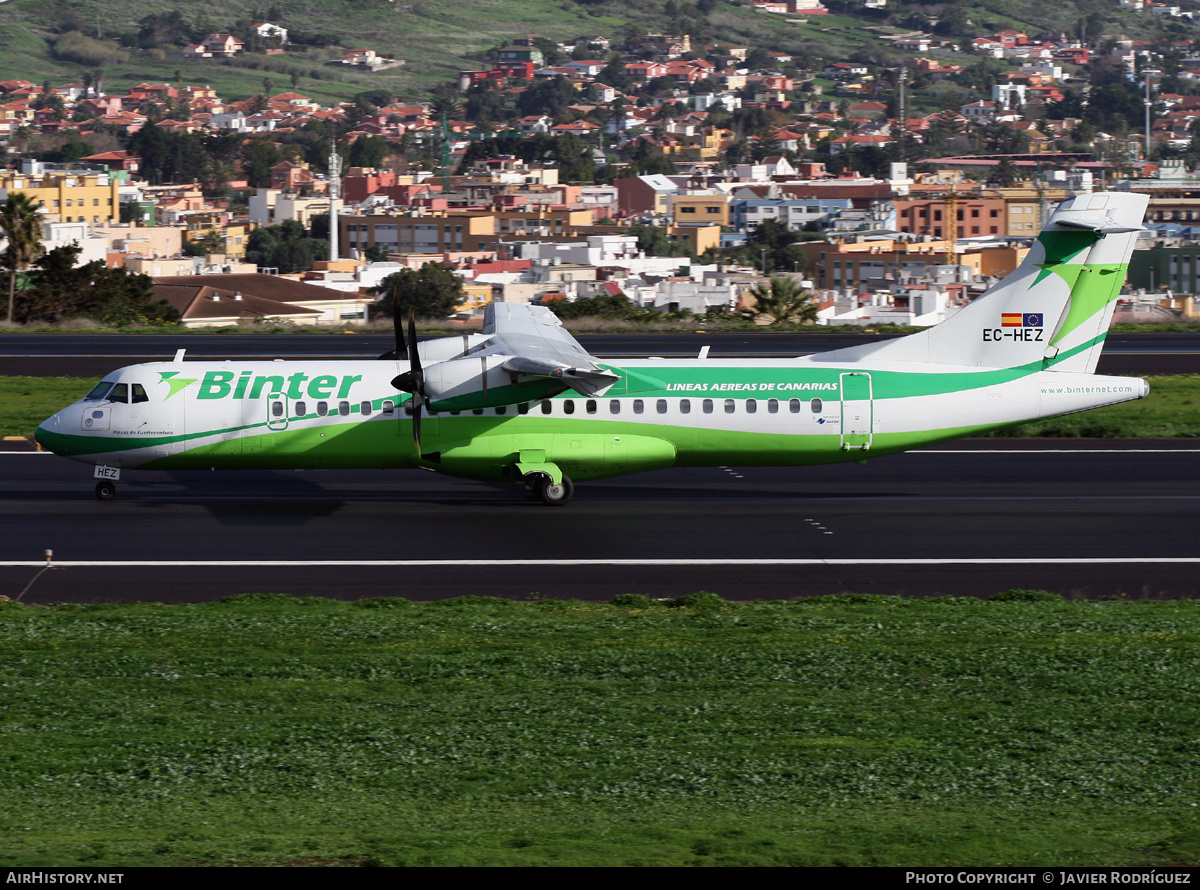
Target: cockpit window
x,y
139,393
99,391
120,393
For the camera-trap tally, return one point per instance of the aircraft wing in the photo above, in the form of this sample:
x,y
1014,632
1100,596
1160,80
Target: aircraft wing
x,y
524,353
541,347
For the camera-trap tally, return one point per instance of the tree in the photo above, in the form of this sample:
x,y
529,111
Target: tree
x,y
782,300
774,241
61,289
1004,174
21,224
431,292
286,247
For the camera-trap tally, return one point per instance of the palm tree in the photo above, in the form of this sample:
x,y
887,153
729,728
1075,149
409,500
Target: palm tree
x,y
21,224
782,300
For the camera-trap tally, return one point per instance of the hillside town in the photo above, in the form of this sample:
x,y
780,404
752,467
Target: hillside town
x,y
657,172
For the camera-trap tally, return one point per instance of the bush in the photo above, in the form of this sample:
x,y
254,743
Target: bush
x,y
83,50
384,602
633,601
700,600
1021,595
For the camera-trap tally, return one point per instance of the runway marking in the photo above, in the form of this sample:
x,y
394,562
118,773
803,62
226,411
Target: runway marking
x,y
526,563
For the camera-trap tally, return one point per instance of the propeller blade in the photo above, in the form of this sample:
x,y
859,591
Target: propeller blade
x,y
417,378
398,326
400,350
414,356
417,400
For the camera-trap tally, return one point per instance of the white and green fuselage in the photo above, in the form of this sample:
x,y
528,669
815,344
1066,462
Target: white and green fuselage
x,y
682,413
1026,350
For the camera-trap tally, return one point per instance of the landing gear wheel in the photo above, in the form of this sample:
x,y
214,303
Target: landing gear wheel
x,y
105,490
556,495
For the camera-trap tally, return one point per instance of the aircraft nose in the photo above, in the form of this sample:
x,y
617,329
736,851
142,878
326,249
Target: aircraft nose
x,y
44,434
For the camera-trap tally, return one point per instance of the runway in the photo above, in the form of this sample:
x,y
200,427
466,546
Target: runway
x,y
93,355
970,519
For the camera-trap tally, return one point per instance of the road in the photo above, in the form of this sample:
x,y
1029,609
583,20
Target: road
x,y
1087,519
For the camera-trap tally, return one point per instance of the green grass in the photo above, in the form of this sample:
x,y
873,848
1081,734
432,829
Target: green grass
x,y
27,401
838,730
1170,410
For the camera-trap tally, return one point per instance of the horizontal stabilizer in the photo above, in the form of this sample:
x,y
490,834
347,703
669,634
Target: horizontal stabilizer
x,y
1092,221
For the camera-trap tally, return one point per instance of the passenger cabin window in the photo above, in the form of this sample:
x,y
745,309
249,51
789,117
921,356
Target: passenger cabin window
x,y
323,408
772,406
99,391
730,406
502,409
546,407
139,394
344,409
301,409
365,408
614,406
685,406
661,406
638,406
389,407
751,406
568,406
523,408
794,406
277,409
708,406
591,406
120,393
816,406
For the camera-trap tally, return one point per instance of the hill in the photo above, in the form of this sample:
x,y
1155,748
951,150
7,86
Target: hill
x,y
60,39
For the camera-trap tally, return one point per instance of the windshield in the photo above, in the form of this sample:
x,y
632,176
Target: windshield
x,y
99,391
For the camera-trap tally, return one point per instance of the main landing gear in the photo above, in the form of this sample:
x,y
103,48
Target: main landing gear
x,y
105,490
552,494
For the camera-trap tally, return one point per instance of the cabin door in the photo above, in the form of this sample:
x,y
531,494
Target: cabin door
x,y
277,411
858,411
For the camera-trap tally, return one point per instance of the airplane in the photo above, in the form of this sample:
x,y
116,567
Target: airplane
x,y
524,402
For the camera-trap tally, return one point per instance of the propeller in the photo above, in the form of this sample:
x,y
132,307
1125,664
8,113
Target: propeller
x,y
412,380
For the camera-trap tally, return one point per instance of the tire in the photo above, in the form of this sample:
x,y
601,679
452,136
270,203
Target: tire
x,y
557,495
105,490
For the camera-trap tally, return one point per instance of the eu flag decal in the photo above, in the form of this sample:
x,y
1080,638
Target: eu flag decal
x,y
1031,320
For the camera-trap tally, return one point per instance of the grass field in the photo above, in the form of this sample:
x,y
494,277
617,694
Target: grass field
x,y
1169,411
836,730
435,40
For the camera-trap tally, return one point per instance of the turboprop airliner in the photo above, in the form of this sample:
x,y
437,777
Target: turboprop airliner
x,y
524,402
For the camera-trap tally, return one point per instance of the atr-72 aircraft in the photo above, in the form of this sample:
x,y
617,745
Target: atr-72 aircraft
x,y
524,402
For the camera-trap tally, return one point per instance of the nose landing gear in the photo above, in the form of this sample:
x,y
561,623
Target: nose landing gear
x,y
105,490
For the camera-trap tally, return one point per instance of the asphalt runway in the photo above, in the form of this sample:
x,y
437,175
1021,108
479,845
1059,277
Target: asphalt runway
x,y
94,355
1085,519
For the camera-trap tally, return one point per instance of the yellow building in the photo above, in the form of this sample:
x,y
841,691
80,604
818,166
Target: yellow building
x,y
699,210
541,222
475,296
434,232
67,197
201,225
